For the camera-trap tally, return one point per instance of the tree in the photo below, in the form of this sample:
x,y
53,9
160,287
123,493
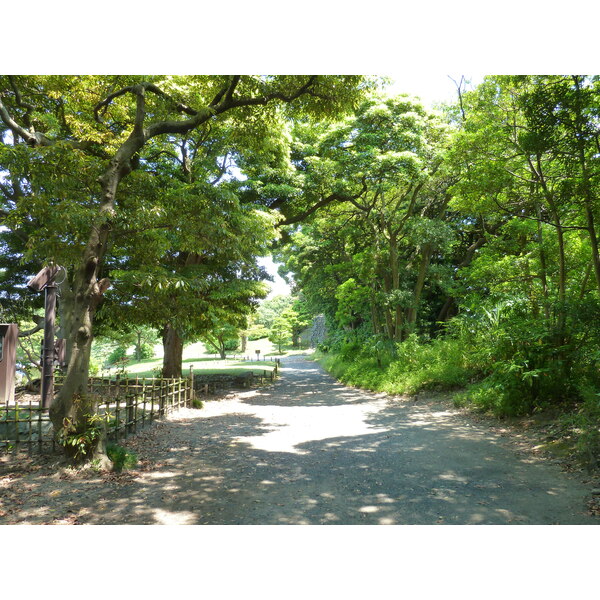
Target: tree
x,y
383,193
222,338
270,309
281,332
296,321
103,129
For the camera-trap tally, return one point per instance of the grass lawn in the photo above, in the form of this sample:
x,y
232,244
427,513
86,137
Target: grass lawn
x,y
200,361
196,355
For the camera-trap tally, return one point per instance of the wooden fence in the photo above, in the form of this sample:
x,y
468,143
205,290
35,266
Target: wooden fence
x,y
25,425
125,405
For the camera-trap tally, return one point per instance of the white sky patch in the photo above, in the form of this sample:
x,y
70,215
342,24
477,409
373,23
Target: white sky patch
x,y
431,88
278,286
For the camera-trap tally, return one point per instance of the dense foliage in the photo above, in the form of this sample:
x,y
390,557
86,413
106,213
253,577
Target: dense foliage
x,y
461,253
446,250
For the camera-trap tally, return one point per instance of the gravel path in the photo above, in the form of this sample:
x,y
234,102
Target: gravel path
x,y
307,450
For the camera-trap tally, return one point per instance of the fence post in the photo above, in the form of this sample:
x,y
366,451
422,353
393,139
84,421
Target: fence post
x,y
191,394
129,413
152,395
117,422
39,412
161,400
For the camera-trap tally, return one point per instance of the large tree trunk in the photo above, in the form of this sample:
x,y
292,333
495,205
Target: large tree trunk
x,y
173,352
73,404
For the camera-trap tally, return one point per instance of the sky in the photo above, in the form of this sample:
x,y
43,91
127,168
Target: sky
x,y
278,286
432,88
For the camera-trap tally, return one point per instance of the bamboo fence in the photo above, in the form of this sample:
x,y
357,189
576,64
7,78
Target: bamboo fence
x,y
124,405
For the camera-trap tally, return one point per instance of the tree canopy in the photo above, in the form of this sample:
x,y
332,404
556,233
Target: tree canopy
x,y
463,240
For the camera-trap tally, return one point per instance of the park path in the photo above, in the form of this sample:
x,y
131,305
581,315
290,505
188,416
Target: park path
x,y
308,450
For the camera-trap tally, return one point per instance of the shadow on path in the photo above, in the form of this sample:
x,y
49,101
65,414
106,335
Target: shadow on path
x,y
307,450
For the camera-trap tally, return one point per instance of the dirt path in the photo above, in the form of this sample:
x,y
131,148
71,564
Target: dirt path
x,y
307,450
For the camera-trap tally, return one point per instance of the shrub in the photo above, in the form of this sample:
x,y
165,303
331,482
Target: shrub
x,y
146,351
584,424
121,457
231,345
442,364
81,439
117,355
257,332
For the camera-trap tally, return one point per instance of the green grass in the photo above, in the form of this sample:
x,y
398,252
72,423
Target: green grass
x,y
207,365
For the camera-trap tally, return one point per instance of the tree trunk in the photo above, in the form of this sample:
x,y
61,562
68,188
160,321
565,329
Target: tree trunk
x,y
586,183
395,271
562,263
173,352
543,267
72,402
423,265
138,346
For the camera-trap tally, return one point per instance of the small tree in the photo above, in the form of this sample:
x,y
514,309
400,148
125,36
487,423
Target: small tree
x,y
297,324
221,339
281,332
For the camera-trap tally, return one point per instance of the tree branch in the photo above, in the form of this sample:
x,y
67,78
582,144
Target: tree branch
x,y
33,139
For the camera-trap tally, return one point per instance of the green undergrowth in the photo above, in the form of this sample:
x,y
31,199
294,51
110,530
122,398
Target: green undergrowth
x,y
121,457
441,365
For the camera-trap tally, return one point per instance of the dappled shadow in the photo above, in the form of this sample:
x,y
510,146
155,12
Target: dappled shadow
x,y
304,383
337,456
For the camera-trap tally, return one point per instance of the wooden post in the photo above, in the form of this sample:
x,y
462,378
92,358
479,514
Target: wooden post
x,y
47,390
191,398
161,400
117,422
152,394
29,441
129,406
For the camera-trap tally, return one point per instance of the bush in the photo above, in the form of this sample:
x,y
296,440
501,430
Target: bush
x,y
257,332
525,362
410,367
121,457
231,345
146,351
117,355
585,427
